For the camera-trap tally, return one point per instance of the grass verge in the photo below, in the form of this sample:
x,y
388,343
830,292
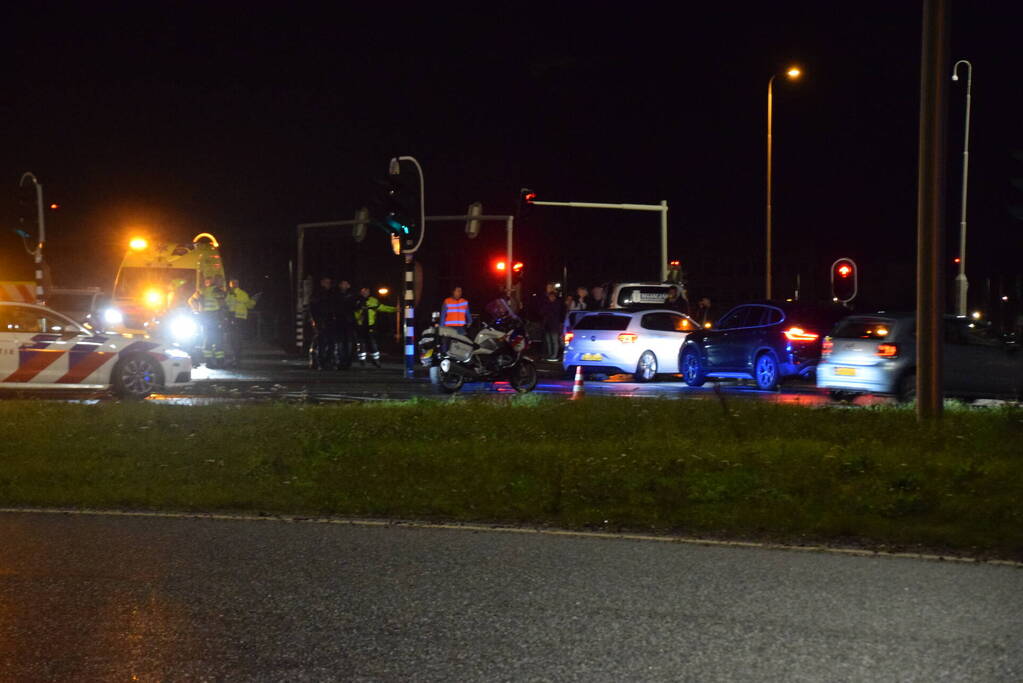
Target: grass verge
x,y
743,470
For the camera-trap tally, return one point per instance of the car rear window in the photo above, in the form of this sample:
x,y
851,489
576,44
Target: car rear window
x,y
860,328
631,296
603,321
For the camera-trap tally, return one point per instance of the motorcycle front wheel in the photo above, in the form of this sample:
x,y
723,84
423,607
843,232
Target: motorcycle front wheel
x,y
523,376
449,382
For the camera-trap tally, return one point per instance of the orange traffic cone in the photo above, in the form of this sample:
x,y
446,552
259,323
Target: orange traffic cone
x,y
578,391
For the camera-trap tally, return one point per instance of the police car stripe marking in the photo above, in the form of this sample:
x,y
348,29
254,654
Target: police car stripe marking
x,y
83,364
31,362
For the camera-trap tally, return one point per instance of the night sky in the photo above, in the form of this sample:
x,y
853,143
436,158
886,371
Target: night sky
x,y
245,124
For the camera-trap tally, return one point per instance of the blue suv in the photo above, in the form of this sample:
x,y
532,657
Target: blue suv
x,y
766,341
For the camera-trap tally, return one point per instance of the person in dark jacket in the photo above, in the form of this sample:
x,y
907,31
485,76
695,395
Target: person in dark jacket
x,y
552,312
322,312
346,304
675,302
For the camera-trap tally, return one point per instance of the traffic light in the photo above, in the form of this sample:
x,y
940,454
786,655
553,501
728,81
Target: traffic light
x,y
362,220
501,267
674,270
844,280
28,207
473,225
403,207
525,205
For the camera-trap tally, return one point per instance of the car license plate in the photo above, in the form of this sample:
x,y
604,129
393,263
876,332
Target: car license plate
x,y
847,372
591,356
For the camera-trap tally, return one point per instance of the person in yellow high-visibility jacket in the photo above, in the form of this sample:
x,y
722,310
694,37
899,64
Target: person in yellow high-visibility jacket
x,y
238,303
366,321
208,302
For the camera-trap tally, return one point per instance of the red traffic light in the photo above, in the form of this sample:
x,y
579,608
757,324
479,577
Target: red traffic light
x,y
502,266
844,280
530,196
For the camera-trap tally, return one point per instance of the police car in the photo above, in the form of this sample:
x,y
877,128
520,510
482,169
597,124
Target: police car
x,y
43,349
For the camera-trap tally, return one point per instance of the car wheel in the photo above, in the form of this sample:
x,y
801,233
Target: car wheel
x,y
646,368
135,377
906,392
523,377
450,382
839,395
693,372
765,371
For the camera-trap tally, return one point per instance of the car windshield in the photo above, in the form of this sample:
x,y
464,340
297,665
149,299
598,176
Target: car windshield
x,y
603,321
134,282
863,328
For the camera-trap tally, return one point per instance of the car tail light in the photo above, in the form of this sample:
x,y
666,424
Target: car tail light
x,y
826,347
628,337
799,334
888,350
569,336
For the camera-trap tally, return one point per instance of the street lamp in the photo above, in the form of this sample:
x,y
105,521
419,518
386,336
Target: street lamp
x,y
961,283
791,73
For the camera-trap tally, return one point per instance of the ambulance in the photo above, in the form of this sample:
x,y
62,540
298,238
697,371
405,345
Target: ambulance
x,y
153,284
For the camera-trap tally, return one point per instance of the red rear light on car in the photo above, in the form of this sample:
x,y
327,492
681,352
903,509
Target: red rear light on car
x,y
888,350
799,334
628,337
826,347
569,336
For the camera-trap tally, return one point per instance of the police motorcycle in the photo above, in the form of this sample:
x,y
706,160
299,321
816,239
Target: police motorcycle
x,y
496,354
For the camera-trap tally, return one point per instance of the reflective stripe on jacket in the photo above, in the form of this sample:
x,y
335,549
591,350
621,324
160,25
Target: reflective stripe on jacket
x,y
455,313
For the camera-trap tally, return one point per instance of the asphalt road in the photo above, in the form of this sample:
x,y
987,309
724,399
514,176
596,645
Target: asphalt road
x,y
270,374
126,598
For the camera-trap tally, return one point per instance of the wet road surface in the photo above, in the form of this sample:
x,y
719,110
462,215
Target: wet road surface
x,y
275,376
114,598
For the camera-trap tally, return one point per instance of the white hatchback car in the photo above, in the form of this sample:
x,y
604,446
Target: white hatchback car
x,y
641,343
43,349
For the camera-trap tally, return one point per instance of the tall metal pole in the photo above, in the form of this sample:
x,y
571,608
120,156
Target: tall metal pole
x,y
930,210
410,272
962,284
664,240
37,253
767,275
509,227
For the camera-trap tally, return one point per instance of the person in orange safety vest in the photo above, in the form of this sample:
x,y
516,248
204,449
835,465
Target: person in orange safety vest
x,y
454,314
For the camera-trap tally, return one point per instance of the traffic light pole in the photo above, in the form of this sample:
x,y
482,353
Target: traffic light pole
x,y
662,207
37,253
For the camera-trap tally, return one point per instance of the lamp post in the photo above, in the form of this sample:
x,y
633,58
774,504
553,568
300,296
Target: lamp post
x,y
792,73
962,285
